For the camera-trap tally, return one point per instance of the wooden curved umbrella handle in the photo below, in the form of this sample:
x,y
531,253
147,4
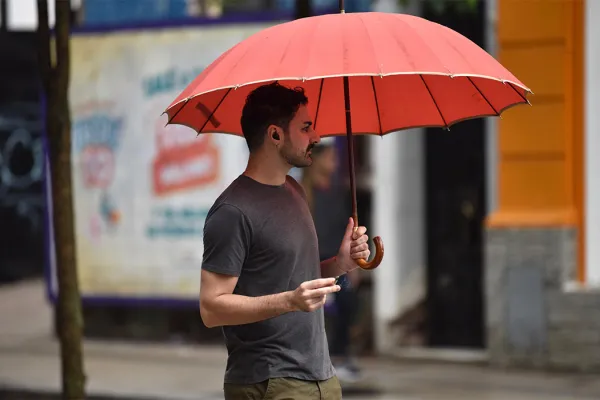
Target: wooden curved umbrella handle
x,y
377,258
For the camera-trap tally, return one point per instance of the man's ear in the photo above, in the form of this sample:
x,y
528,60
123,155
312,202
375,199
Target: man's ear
x,y
275,134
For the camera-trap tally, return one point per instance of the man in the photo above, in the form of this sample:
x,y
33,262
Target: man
x,y
330,205
261,279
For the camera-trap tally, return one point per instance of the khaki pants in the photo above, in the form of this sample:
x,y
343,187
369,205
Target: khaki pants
x,y
285,389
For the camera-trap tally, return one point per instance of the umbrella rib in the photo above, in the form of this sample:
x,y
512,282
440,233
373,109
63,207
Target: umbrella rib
x,y
206,73
177,112
519,93
377,106
434,102
237,63
483,95
318,103
403,48
371,43
425,45
298,29
214,111
452,46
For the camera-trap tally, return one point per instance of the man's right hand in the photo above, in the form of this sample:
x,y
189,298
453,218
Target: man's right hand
x,y
311,295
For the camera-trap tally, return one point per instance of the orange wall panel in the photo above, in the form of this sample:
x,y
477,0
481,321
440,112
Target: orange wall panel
x,y
535,184
541,147
542,68
530,20
540,128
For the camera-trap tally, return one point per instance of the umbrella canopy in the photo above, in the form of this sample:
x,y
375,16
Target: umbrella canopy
x,y
400,71
404,72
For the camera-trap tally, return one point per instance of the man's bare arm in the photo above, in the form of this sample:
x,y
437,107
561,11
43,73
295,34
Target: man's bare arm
x,y
220,307
331,269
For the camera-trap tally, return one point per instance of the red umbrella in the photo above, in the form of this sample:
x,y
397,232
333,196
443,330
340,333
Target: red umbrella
x,y
400,71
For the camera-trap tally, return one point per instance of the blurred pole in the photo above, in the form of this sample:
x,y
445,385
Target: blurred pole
x,y
55,79
303,9
591,51
491,124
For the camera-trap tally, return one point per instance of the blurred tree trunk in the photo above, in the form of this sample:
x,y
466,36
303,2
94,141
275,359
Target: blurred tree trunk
x,y
54,64
303,9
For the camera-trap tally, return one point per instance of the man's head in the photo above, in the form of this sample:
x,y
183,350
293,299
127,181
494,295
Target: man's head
x,y
276,119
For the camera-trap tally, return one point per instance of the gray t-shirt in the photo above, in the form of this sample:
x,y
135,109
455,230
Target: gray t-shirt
x,y
265,236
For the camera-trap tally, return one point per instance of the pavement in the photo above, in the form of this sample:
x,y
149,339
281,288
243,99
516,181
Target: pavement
x,y
29,361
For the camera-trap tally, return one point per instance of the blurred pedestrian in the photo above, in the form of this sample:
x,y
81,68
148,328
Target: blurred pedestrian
x,y
262,280
330,204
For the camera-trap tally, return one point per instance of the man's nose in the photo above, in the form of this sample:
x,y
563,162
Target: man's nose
x,y
316,137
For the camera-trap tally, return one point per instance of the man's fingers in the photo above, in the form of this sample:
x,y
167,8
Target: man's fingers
x,y
361,230
360,240
315,300
318,283
361,255
322,291
349,228
318,303
360,247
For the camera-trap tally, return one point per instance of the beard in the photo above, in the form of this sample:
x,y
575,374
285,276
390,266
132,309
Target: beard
x,y
297,158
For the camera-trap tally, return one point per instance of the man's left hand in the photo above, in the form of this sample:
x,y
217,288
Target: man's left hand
x,y
354,247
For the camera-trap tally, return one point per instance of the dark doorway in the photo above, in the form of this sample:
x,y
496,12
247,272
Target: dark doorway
x,y
455,192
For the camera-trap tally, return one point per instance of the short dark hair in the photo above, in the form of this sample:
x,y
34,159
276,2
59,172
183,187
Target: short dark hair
x,y
271,104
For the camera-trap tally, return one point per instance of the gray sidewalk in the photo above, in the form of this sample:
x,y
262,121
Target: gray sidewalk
x,y
29,360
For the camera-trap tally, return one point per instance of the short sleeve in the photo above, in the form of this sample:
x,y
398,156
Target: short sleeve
x,y
226,240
